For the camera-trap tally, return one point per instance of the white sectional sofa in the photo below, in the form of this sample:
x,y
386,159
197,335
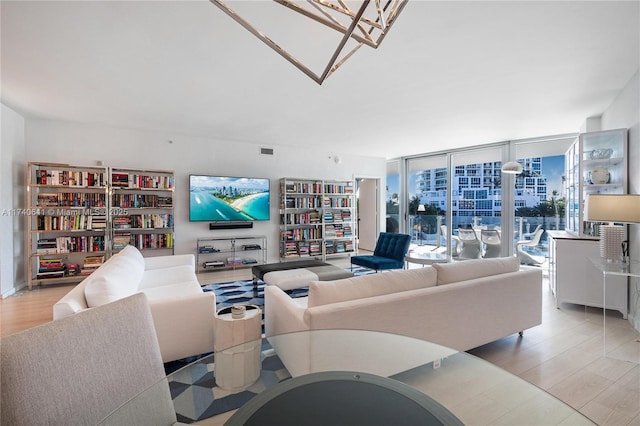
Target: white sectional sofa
x,y
182,313
459,305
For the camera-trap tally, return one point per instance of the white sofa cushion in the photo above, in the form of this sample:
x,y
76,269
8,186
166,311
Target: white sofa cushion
x,y
167,276
476,268
327,292
173,291
117,278
134,255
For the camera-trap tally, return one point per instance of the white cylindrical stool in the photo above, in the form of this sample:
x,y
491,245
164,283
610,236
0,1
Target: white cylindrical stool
x,y
236,345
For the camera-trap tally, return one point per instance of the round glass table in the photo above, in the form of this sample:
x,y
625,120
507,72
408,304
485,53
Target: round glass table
x,y
360,369
426,258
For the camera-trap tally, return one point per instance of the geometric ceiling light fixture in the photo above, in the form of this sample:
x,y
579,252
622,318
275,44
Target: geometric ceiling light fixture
x,y
363,22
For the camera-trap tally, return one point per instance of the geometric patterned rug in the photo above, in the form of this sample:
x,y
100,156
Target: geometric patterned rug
x,y
196,396
242,291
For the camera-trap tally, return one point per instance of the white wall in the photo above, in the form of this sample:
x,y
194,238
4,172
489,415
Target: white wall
x,y
12,196
624,112
81,144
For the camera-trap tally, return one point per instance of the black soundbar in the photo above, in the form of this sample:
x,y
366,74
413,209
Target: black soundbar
x,y
230,225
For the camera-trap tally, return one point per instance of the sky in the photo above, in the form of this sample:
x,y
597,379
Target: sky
x,y
553,169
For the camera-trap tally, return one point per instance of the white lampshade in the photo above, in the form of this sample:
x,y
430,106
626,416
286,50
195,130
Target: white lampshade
x,y
620,208
512,167
612,208
421,208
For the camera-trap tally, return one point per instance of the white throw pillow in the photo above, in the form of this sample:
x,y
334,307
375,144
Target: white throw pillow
x,y
476,268
326,292
117,278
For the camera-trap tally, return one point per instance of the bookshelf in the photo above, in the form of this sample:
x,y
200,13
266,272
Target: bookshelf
x,y
67,221
223,253
338,217
317,218
142,210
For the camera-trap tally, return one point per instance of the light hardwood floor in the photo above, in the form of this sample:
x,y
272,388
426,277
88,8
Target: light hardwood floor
x,y
566,355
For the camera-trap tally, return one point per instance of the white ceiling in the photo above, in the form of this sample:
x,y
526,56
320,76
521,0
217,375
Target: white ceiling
x,y
449,74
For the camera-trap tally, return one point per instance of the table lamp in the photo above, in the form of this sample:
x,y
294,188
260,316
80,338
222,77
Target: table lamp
x,y
612,208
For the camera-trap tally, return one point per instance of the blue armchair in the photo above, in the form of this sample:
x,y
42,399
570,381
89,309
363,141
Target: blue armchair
x,y
389,252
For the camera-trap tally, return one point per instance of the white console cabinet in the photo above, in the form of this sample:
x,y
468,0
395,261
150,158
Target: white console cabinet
x,y
573,278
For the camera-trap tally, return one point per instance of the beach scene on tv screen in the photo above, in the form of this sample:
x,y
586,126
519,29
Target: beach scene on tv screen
x,y
228,198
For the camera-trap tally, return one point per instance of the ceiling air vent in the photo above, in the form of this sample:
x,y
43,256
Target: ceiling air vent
x,y
266,151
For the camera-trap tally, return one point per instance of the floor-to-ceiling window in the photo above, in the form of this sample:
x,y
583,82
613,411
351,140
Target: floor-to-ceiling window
x,y
539,198
427,200
476,202
432,195
392,196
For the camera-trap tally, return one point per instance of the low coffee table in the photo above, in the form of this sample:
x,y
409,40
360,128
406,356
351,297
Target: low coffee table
x,y
297,274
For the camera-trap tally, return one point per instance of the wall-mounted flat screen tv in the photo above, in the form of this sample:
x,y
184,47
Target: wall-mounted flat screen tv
x,y
232,199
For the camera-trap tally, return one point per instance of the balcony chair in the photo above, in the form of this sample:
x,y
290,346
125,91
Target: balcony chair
x,y
86,368
492,244
529,235
456,245
526,258
471,246
389,252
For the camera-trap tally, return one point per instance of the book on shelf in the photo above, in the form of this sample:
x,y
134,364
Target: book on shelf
x,y
47,246
73,269
249,261
71,199
154,220
251,247
48,200
120,241
93,260
303,248
69,177
152,241
291,249
90,264
166,202
121,222
315,248
48,275
71,222
234,261
97,223
51,268
51,265
213,264
120,179
141,181
73,244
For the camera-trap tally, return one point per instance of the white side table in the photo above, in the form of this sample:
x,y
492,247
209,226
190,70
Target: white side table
x,y
609,270
236,346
